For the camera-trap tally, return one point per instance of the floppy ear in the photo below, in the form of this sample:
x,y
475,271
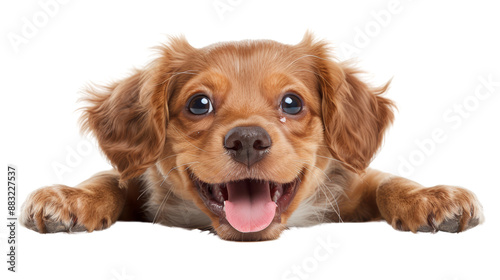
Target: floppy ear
x,y
129,122
354,114
129,118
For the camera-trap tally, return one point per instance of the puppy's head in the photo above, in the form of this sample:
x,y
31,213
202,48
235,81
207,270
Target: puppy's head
x,y
245,130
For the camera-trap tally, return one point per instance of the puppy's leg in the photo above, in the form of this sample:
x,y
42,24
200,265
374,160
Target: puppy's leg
x,y
94,204
408,206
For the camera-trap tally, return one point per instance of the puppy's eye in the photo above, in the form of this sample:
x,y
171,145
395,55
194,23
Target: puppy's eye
x,y
291,104
200,105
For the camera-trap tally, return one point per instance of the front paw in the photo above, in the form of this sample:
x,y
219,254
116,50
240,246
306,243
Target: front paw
x,y
63,209
440,208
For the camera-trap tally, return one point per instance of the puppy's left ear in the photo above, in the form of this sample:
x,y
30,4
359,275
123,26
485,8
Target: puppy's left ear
x,y
355,115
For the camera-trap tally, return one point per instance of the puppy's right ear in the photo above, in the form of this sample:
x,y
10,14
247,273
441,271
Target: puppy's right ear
x,y
129,117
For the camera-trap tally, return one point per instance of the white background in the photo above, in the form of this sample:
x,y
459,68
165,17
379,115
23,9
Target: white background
x,y
435,51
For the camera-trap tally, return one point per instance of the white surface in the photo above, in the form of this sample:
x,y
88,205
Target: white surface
x,y
435,52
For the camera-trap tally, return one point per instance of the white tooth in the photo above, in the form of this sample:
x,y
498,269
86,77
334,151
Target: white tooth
x,y
276,195
217,193
278,192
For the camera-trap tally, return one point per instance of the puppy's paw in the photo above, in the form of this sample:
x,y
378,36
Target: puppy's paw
x,y
64,209
440,208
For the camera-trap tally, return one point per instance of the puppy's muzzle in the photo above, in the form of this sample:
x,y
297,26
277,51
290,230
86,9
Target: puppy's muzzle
x,y
248,144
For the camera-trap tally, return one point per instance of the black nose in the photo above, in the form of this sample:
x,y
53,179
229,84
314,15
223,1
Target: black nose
x,y
247,144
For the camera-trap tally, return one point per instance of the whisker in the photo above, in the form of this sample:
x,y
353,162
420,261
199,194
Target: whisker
x,y
183,153
360,177
336,210
321,185
142,193
316,168
334,197
304,56
176,167
173,74
334,159
169,79
169,191
183,136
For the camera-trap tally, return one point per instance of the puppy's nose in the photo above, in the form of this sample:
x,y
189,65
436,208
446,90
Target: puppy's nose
x,y
247,144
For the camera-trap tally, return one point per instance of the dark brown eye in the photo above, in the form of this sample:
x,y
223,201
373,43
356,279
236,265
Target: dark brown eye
x,y
200,105
291,104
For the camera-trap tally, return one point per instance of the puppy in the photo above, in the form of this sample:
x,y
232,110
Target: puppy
x,y
244,139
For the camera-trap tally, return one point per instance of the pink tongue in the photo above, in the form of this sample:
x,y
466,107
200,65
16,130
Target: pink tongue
x,y
249,207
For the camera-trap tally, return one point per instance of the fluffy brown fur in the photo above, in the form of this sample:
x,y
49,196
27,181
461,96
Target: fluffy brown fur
x,y
159,150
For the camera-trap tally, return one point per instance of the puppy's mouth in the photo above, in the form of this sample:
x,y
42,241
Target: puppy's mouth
x,y
248,205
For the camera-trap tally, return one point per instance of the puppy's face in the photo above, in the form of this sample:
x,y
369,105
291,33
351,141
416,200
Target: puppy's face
x,y
246,130
243,134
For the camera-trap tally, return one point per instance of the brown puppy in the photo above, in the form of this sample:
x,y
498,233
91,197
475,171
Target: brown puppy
x,y
246,139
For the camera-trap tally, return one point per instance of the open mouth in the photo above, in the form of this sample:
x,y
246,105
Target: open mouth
x,y
248,205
